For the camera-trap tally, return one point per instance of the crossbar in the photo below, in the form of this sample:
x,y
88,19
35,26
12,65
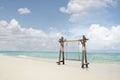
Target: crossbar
x,y
72,40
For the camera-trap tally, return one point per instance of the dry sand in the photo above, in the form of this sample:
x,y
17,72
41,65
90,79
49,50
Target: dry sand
x,y
16,68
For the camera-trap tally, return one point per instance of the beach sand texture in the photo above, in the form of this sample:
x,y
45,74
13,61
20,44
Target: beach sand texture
x,y
15,68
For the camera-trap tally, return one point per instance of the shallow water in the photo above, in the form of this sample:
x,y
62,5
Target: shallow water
x,y
94,57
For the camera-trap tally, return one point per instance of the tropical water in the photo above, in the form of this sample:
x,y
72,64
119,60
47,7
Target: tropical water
x,y
93,57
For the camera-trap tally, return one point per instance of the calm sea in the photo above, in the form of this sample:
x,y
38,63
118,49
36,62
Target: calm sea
x,y
93,57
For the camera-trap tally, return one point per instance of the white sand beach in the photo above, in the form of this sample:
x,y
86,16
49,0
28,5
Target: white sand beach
x,y
16,68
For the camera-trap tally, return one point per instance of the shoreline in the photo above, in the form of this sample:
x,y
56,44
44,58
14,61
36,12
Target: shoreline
x,y
18,68
110,58
55,60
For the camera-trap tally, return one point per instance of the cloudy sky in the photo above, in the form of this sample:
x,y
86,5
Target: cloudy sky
x,y
38,24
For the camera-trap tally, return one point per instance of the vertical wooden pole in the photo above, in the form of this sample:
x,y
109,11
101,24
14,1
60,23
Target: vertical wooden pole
x,y
62,44
61,54
84,56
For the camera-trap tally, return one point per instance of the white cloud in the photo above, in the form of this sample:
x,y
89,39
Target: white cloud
x,y
75,8
100,37
24,10
15,37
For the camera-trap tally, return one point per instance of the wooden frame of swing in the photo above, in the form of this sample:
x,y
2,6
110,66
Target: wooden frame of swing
x,y
84,56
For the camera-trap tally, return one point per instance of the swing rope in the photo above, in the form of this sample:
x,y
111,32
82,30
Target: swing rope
x,y
78,59
79,51
66,51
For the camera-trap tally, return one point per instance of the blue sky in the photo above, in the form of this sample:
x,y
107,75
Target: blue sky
x,y
44,13
71,18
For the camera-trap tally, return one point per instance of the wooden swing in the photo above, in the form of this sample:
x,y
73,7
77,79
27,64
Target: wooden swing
x,y
67,54
84,56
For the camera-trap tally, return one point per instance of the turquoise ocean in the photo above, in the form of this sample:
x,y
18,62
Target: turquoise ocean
x,y
93,57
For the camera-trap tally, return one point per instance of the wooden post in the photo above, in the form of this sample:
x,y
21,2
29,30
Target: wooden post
x,y
84,57
61,54
59,57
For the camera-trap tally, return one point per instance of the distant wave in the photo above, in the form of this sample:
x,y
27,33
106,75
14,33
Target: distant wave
x,y
22,56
